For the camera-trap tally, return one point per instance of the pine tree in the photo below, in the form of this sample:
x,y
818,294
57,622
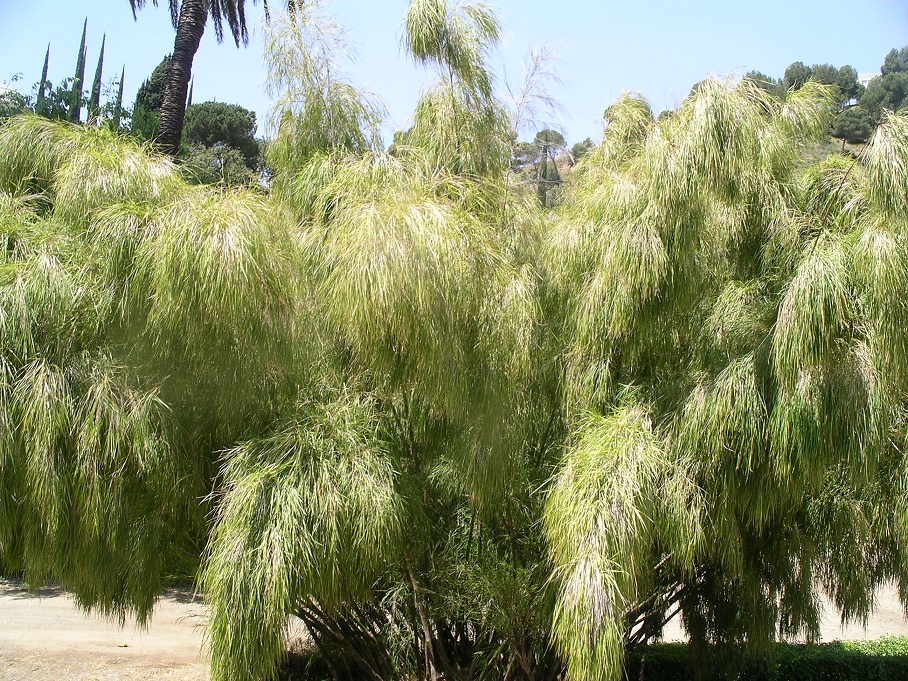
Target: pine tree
x,y
94,102
75,109
41,102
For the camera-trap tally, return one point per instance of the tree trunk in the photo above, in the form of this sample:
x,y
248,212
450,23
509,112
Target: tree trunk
x,y
191,26
541,174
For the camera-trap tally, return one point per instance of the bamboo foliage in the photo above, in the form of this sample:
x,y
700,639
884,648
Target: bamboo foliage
x,y
395,251
106,475
35,148
458,124
100,477
86,167
234,247
318,110
310,512
460,435
667,226
886,167
456,37
458,134
596,521
815,312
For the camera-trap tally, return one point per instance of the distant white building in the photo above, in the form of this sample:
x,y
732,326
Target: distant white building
x,y
865,78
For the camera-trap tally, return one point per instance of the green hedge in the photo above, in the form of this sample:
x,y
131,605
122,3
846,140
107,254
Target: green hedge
x,y
885,659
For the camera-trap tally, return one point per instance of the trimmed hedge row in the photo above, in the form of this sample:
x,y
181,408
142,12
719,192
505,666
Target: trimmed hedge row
x,y
885,659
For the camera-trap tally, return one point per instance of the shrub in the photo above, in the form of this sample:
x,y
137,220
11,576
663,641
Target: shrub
x,y
885,659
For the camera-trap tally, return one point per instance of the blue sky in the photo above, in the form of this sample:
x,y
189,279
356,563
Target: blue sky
x,y
605,47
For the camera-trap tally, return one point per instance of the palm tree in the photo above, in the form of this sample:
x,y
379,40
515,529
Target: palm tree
x,y
189,18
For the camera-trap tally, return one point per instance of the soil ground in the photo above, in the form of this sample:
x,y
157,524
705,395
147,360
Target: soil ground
x,y
888,619
44,636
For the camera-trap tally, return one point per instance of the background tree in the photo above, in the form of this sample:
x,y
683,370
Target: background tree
x,y
844,78
94,100
117,113
536,162
214,123
43,84
216,164
796,75
824,73
525,156
147,106
888,91
549,143
77,96
847,82
580,149
12,102
58,100
189,18
895,61
768,83
853,125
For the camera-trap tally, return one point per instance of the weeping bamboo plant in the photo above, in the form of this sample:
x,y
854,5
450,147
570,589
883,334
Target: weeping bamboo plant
x,y
457,434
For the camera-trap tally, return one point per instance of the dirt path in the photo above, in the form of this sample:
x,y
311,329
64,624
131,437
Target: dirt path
x,y
45,637
888,619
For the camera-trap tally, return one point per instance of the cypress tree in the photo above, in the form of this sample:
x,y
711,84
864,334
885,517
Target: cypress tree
x,y
75,109
147,107
118,108
189,99
94,102
41,103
